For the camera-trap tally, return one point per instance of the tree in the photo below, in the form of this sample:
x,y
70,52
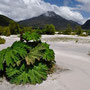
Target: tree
x,y
79,30
27,29
14,27
5,31
68,30
50,29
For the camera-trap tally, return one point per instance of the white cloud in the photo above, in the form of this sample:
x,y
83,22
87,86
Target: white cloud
x,y
84,1
85,6
24,9
70,14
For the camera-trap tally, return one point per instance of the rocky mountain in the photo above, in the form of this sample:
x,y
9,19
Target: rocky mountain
x,y
48,18
86,25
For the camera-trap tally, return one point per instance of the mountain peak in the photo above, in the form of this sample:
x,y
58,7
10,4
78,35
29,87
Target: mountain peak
x,y
49,14
49,18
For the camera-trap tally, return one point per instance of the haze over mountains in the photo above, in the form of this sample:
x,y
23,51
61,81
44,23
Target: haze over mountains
x,y
47,18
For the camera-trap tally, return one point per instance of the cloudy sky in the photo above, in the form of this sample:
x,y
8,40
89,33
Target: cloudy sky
x,y
76,10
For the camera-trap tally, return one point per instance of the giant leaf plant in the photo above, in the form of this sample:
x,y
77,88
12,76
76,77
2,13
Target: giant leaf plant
x,y
24,62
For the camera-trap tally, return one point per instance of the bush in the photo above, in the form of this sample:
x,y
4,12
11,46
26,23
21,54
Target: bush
x,y
31,36
50,29
27,29
14,27
79,31
2,41
68,30
5,31
29,62
40,31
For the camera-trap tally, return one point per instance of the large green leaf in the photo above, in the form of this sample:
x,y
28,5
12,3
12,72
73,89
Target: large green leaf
x,y
41,51
20,45
49,55
31,36
35,54
23,75
2,54
13,54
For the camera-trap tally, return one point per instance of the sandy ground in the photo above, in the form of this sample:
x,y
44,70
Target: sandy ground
x,y
71,55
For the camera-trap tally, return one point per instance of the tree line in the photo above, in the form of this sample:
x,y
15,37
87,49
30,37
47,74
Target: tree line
x,y
15,28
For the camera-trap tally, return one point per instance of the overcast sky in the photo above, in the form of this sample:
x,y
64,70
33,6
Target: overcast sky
x,y
76,10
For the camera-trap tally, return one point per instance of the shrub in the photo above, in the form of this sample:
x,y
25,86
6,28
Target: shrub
x,y
40,31
50,29
68,30
27,29
27,62
14,27
2,40
31,36
79,31
5,31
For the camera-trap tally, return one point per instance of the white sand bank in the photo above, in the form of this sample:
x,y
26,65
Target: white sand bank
x,y
69,55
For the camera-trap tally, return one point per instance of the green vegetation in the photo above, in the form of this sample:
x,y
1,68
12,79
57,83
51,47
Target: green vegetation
x,y
50,29
79,31
31,36
68,30
27,29
2,40
8,26
29,61
4,21
5,31
14,27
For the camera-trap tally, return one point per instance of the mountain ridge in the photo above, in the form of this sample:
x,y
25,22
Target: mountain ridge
x,y
49,18
4,20
86,25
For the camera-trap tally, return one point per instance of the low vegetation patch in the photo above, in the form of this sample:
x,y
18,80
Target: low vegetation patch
x,y
27,61
2,40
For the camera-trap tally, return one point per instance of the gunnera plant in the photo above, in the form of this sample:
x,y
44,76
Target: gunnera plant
x,y
29,61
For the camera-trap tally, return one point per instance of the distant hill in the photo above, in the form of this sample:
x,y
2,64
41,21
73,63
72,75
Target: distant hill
x,y
48,18
86,25
4,21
